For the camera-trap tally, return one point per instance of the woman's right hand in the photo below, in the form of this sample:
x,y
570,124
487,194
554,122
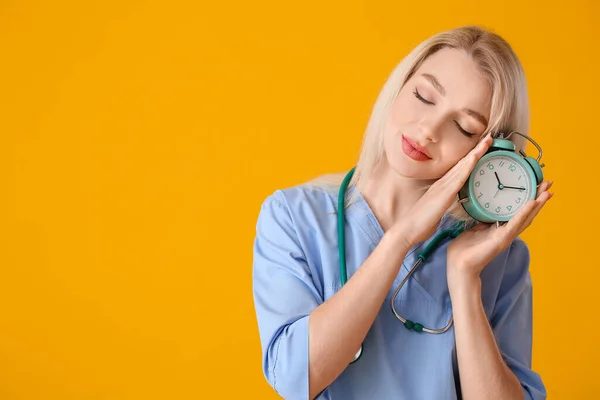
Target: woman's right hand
x,y
426,214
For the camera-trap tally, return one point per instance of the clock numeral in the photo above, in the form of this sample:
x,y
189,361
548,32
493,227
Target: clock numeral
x,y
512,168
487,205
478,183
498,209
518,200
509,208
501,164
480,194
481,172
490,166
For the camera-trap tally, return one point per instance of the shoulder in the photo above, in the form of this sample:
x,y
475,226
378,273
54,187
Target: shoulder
x,y
302,202
295,226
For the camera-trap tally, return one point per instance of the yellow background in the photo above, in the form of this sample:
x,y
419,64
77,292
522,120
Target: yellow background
x,y
139,138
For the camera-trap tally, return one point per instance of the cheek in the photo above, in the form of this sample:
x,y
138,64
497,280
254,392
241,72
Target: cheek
x,y
404,110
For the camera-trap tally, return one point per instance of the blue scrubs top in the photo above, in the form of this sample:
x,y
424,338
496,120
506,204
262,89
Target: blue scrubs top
x,y
296,268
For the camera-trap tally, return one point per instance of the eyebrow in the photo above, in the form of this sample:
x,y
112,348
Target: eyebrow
x,y
434,82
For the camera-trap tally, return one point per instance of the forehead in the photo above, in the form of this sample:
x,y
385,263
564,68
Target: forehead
x,y
461,78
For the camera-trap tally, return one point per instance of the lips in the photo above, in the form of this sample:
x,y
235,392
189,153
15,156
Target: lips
x,y
414,151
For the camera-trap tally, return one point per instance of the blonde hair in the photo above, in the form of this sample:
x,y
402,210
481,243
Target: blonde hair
x,y
498,64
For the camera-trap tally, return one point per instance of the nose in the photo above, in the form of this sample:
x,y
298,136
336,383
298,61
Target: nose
x,y
429,129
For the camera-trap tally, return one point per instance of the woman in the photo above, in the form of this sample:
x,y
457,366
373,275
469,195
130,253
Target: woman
x,y
433,120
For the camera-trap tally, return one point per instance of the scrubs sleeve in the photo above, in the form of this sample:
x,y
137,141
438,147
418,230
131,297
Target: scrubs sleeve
x,y
512,318
284,296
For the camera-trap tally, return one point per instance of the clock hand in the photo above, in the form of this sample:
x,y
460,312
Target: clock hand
x,y
512,187
498,179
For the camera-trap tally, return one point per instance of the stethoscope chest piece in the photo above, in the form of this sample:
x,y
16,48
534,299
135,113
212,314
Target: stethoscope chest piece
x,y
357,355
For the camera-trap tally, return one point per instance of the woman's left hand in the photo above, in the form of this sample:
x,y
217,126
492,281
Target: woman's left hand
x,y
472,250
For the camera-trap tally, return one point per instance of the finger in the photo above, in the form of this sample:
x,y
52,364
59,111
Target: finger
x,y
472,156
469,161
526,216
541,203
483,144
457,175
545,186
513,227
447,187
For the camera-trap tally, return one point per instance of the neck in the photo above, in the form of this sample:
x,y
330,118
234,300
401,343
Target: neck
x,y
392,196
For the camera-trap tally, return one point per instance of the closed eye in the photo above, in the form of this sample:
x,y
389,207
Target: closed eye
x,y
418,96
467,134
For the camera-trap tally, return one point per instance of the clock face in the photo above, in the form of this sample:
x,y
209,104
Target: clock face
x,y
501,185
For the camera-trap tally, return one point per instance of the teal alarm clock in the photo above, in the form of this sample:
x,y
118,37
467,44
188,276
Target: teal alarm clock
x,y
502,181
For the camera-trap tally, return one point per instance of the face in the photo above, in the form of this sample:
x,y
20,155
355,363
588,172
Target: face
x,y
438,117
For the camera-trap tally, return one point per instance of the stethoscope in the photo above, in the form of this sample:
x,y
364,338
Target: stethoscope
x,y
422,257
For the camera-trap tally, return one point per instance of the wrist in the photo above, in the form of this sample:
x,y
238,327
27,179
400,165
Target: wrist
x,y
400,236
461,285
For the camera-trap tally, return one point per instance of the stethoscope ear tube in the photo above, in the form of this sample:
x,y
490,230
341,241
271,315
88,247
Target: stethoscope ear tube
x,y
429,249
341,223
438,239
